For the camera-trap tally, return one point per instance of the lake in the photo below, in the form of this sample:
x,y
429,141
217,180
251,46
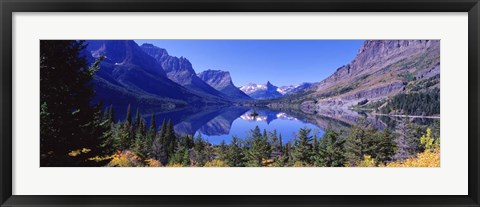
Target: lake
x,y
222,123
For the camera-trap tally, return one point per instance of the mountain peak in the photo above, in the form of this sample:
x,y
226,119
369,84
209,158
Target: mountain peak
x,y
216,77
222,81
261,91
180,70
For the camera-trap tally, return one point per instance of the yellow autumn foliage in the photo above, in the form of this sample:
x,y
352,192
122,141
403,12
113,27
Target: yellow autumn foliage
x,y
77,152
215,163
175,165
153,163
429,158
367,161
301,164
424,159
125,159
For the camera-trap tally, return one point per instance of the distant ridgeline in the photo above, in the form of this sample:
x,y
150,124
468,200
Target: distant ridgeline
x,y
382,78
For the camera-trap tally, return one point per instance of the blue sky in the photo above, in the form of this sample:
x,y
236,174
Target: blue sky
x,y
282,62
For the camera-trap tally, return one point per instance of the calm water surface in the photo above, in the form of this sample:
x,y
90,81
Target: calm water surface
x,y
222,123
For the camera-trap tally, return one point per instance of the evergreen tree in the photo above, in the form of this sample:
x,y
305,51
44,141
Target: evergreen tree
x,y
303,148
111,114
288,153
186,157
199,149
384,146
222,151
170,138
236,156
127,135
276,145
128,119
69,121
159,150
259,148
330,150
138,122
358,142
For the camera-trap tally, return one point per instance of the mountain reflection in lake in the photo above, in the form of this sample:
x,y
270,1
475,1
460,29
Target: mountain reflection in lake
x,y
221,123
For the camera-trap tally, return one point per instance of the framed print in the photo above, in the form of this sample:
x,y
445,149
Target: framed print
x,y
196,103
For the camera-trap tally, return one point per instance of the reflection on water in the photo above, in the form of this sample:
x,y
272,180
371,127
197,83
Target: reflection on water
x,y
221,123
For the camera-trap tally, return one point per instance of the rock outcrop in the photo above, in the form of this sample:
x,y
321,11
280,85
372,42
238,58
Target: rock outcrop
x,y
222,81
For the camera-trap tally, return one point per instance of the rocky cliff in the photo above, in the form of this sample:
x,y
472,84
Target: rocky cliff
x,y
381,68
222,81
180,71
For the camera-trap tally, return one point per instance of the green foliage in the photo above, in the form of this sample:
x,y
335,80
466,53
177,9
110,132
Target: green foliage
x,y
68,121
199,149
367,161
429,142
358,141
383,147
222,151
236,156
416,103
407,76
302,148
259,148
330,151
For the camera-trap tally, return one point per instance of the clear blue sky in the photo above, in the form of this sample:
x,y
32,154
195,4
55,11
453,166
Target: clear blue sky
x,y
282,62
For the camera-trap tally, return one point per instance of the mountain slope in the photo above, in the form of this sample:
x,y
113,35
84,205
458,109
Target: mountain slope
x,y
222,81
130,76
180,71
261,91
381,69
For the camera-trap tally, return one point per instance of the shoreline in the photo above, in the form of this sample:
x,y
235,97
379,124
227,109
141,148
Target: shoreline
x,y
409,116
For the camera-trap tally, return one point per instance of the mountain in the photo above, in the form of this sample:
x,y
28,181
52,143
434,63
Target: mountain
x,y
285,90
380,70
130,76
261,91
180,71
222,81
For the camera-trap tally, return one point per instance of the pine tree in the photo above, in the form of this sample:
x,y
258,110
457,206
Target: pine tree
x,y
302,149
137,120
170,139
331,151
127,136
199,149
159,150
384,147
111,114
186,157
68,119
222,151
276,145
128,119
236,157
259,148
358,142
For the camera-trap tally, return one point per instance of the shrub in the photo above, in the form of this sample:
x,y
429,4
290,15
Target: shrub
x,y
367,161
215,163
125,159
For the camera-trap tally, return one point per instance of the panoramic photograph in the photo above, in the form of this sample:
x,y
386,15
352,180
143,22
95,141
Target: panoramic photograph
x,y
239,103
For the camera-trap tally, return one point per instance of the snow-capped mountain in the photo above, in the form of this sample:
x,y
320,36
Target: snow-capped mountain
x,y
261,91
284,90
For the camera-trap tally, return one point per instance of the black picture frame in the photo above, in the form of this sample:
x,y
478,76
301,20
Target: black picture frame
x,y
7,8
